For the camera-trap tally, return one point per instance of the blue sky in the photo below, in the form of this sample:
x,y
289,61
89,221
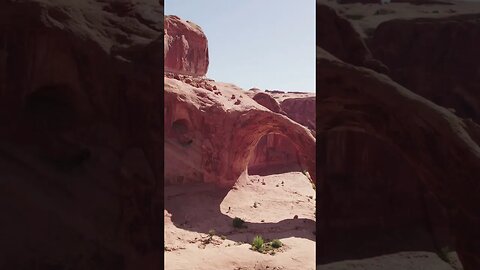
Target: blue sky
x,y
268,44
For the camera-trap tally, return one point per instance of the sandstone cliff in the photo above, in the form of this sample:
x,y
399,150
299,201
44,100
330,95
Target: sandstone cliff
x,y
81,134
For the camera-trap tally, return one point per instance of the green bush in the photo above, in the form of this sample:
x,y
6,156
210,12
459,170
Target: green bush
x,y
257,243
276,243
238,222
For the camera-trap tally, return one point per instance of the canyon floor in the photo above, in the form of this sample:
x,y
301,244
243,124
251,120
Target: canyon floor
x,y
277,206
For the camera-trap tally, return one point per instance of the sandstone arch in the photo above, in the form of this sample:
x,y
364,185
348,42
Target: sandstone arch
x,y
226,134
441,147
274,153
250,132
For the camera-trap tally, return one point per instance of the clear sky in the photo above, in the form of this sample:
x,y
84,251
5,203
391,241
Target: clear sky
x,y
268,44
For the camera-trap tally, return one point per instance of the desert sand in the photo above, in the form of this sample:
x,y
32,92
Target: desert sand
x,y
191,212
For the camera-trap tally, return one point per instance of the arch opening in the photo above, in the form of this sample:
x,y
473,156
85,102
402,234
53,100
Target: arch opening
x,y
274,153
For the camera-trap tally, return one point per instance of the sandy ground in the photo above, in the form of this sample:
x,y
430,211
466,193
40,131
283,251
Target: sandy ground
x,y
192,211
366,17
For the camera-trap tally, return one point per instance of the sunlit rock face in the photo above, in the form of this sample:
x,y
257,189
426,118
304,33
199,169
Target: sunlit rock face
x,y
186,47
211,135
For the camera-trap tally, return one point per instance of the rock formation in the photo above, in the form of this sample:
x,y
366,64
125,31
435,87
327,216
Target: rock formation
x,y
301,110
441,149
81,134
186,47
212,129
210,137
435,58
336,35
267,101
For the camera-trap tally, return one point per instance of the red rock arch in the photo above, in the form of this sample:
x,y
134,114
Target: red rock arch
x,y
441,147
224,139
254,125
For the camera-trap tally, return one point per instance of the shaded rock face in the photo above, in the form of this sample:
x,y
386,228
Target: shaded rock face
x,y
186,47
218,135
274,153
79,123
413,2
367,113
336,35
448,73
373,197
301,110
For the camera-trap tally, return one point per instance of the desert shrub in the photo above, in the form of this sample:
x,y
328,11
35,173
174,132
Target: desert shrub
x,y
211,232
276,243
238,222
223,237
257,243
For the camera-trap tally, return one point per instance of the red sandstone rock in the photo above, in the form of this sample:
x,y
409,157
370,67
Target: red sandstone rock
x,y
440,148
186,47
448,73
336,35
81,136
301,110
224,134
267,101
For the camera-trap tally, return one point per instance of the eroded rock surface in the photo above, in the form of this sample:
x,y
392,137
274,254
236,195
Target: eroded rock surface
x,y
440,148
222,133
336,35
81,134
186,47
435,58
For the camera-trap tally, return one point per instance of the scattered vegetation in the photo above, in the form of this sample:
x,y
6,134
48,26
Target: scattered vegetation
x,y
223,237
255,204
261,246
257,243
276,243
238,222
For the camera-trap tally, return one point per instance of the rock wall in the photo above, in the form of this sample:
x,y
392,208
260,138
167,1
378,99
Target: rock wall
x,y
435,58
439,147
336,35
186,47
301,110
78,135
